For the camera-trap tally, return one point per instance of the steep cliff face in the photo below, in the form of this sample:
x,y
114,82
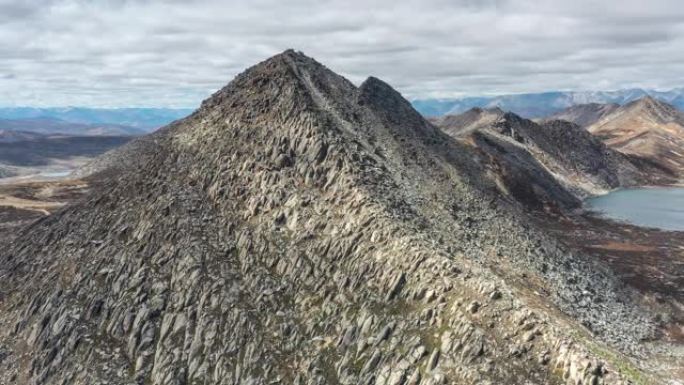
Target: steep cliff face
x,y
298,229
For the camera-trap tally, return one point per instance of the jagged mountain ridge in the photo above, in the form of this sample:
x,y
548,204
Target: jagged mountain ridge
x,y
299,229
585,114
647,128
554,160
471,120
539,105
518,173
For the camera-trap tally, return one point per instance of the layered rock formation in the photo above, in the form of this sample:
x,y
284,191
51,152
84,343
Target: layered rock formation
x,y
298,229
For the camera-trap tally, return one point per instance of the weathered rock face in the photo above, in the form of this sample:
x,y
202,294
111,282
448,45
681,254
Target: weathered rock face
x,y
553,162
298,229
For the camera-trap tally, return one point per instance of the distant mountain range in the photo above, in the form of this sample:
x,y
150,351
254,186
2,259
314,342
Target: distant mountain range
x,y
51,126
138,119
548,161
12,136
648,128
38,140
537,105
647,131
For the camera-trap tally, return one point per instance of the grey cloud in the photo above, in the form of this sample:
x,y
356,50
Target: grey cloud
x,y
17,11
176,52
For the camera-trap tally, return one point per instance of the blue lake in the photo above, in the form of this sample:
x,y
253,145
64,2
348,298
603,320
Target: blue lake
x,y
661,207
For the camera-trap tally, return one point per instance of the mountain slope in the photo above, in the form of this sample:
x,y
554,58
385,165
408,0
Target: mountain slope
x,y
539,105
552,161
647,128
471,120
298,229
585,114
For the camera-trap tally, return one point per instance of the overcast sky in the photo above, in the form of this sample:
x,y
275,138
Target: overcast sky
x,y
176,52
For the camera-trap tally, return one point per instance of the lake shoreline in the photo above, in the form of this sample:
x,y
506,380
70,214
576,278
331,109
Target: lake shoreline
x,y
646,206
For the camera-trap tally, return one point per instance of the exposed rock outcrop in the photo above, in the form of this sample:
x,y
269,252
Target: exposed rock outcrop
x,y
553,162
298,229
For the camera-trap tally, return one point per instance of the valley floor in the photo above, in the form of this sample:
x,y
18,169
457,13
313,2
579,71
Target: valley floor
x,y
49,157
23,201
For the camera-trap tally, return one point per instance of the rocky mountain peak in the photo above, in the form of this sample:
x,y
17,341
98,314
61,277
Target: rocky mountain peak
x,y
652,108
482,113
391,107
510,121
651,101
648,128
494,110
375,92
471,120
288,61
282,80
584,114
291,231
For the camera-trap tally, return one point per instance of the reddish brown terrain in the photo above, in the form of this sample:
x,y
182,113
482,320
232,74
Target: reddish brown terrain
x,y
647,128
25,201
650,260
585,114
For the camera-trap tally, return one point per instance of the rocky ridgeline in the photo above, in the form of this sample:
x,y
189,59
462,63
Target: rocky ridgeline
x,y
298,229
584,115
469,121
554,162
646,129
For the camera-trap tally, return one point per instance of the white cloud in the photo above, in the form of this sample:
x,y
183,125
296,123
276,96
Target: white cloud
x,y
175,53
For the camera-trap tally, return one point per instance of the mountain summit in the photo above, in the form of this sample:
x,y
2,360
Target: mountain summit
x,y
585,114
298,229
647,128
